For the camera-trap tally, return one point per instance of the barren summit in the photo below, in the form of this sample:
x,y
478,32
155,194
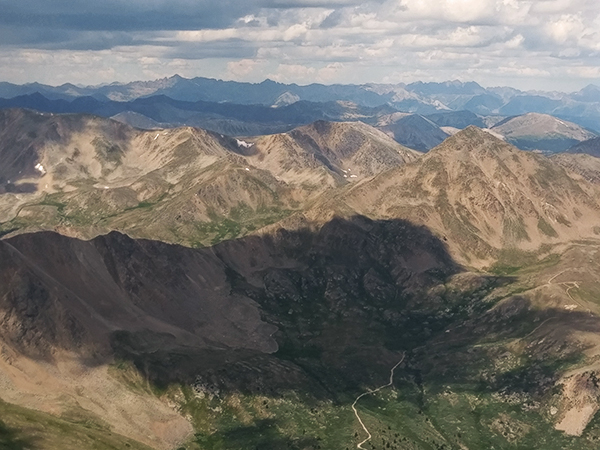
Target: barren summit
x,y
544,132
86,175
483,195
327,152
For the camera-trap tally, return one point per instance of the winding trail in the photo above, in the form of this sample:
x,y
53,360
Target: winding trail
x,y
369,392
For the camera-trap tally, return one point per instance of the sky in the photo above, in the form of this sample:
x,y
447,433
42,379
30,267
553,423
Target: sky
x,y
527,44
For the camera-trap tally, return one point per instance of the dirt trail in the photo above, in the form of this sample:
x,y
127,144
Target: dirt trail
x,y
369,392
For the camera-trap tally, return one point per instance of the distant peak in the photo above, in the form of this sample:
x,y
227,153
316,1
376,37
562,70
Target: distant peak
x,y
320,126
537,114
472,131
475,137
324,127
35,95
268,81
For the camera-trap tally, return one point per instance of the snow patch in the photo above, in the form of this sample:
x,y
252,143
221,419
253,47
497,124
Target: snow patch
x,y
248,169
493,133
353,176
40,168
244,144
156,137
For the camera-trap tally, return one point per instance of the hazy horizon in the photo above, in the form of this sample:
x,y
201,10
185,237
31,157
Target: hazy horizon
x,y
122,82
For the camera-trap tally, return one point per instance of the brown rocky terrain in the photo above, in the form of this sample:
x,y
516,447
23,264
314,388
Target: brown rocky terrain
x,y
587,166
482,195
412,130
329,153
477,264
85,175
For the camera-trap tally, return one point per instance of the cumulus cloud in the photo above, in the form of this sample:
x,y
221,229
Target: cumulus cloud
x,y
514,42
239,70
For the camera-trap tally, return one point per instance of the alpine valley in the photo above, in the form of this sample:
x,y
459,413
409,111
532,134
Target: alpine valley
x,y
207,265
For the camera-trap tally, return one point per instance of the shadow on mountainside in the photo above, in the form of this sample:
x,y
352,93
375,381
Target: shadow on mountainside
x,y
64,293
11,439
321,313
25,132
263,434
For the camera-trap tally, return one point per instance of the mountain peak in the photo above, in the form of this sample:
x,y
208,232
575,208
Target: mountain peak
x,y
590,88
329,153
414,131
590,93
470,139
269,82
536,131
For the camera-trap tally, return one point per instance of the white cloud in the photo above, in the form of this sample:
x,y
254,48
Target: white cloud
x,y
239,70
287,73
341,41
515,42
585,72
295,31
566,27
330,72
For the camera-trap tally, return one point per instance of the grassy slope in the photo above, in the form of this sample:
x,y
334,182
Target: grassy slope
x,y
21,429
485,393
242,219
481,393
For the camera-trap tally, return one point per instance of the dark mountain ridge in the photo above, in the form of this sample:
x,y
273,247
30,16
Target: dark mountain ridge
x,y
591,147
219,117
242,315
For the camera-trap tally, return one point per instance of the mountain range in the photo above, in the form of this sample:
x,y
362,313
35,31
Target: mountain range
x,y
98,174
582,107
95,172
179,287
546,133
